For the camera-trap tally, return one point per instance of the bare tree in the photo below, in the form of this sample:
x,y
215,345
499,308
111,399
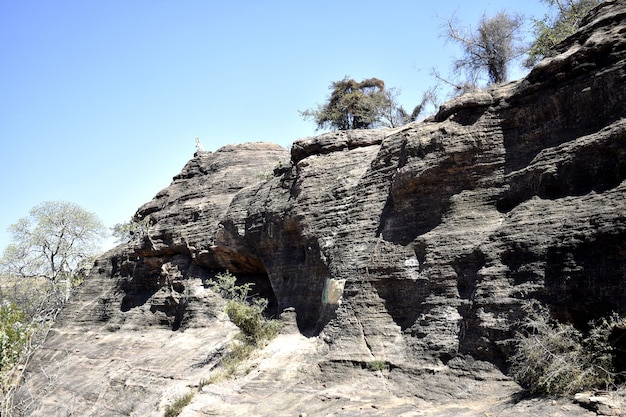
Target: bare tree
x,y
488,50
394,115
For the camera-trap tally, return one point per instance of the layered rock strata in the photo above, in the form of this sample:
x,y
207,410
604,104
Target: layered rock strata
x,y
416,246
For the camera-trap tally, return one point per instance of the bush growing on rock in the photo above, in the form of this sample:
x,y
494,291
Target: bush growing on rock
x,y
245,313
554,358
225,284
28,308
377,365
135,229
14,335
550,31
255,328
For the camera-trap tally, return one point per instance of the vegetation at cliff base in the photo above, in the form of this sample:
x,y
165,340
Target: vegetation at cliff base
x,y
247,313
554,358
14,334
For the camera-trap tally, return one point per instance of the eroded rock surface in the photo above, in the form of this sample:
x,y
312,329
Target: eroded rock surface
x,y
412,247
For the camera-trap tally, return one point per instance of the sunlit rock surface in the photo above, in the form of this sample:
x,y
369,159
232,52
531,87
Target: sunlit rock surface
x,y
413,248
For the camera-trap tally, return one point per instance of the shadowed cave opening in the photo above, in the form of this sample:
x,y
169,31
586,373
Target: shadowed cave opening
x,y
143,279
250,269
261,288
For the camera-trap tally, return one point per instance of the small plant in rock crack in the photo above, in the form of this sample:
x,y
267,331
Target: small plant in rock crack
x,y
377,365
174,409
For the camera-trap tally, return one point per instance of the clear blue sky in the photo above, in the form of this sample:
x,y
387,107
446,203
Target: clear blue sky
x,y
100,100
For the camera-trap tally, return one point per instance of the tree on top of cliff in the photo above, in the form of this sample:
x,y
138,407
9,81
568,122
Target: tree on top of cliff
x,y
359,105
52,241
488,50
549,31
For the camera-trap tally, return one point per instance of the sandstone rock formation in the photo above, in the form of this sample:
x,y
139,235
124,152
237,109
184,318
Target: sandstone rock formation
x,y
413,247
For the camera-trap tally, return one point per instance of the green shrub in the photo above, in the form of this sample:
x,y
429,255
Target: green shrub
x,y
554,358
174,409
28,308
225,285
255,328
14,335
377,365
136,229
247,314
238,353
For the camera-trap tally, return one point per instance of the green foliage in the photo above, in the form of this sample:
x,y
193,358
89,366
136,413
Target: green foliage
x,y
174,409
28,308
244,313
247,314
35,297
377,365
225,284
358,105
133,230
239,352
52,242
549,31
554,358
255,328
14,336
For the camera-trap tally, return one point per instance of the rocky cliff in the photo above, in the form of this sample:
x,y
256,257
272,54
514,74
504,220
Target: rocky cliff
x,y
415,247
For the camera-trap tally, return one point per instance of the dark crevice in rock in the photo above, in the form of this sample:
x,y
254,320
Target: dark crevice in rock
x,y
403,299
570,170
525,263
417,203
262,288
171,312
466,269
585,277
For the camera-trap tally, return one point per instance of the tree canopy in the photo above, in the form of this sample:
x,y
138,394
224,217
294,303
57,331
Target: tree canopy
x,y
351,105
488,50
549,31
52,241
361,105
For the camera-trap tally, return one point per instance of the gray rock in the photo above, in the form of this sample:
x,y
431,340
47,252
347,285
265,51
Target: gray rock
x,y
414,246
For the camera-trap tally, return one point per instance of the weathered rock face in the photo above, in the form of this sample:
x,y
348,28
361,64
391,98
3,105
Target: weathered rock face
x,y
417,246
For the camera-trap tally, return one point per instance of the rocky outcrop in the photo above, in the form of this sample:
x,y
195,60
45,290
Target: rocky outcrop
x,y
414,246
